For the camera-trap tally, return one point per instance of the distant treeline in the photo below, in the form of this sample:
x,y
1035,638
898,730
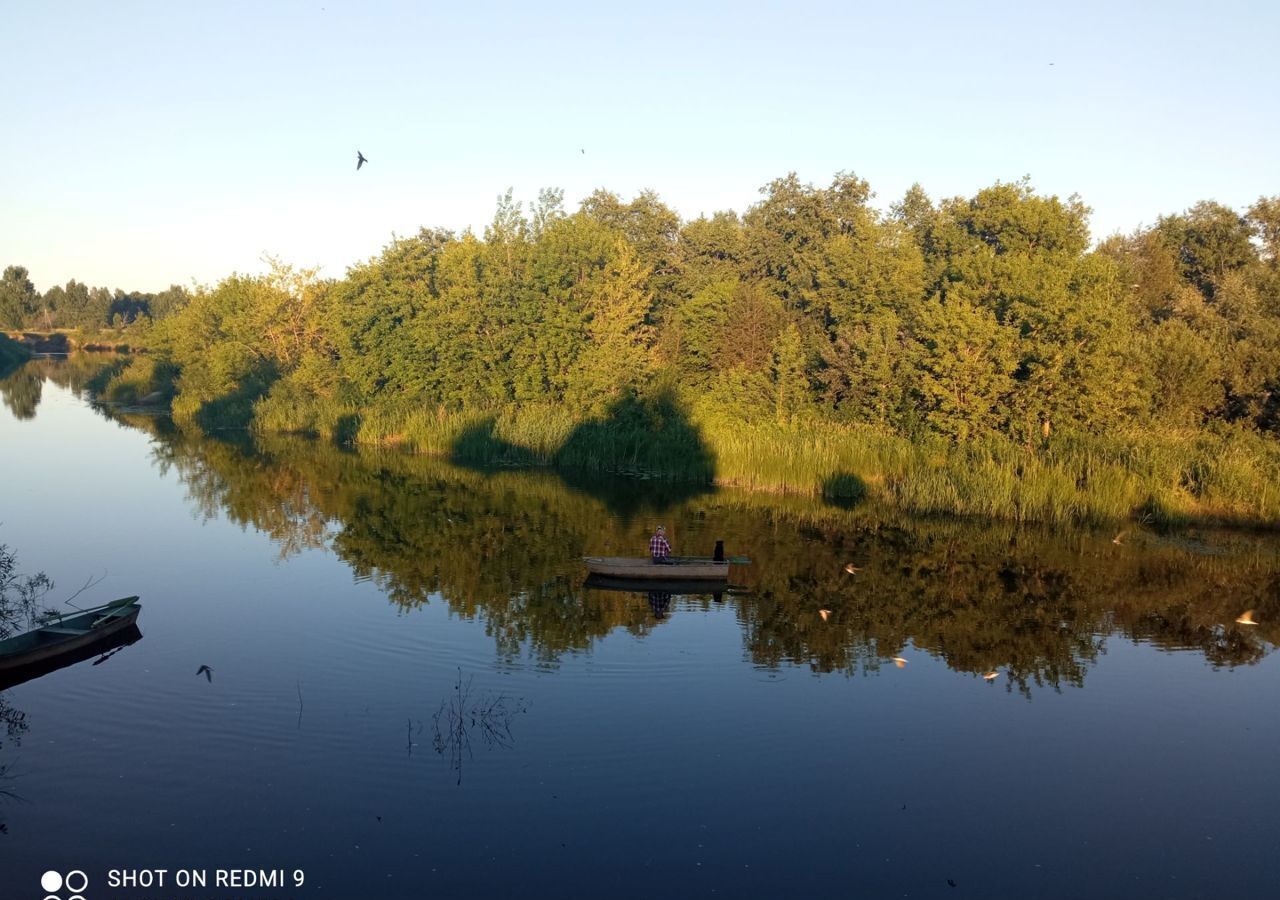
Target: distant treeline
x,y
78,306
974,322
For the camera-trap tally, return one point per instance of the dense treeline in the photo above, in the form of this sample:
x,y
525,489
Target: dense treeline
x,y
814,343
78,306
968,317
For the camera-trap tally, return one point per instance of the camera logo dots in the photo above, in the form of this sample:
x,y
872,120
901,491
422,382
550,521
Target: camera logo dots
x,y
75,882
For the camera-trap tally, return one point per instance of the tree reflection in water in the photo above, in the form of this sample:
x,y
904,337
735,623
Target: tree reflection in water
x,y
15,725
504,547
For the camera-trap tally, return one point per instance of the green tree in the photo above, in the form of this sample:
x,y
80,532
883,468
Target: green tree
x,y
870,371
548,209
20,595
19,301
618,357
1264,218
1187,375
968,361
748,334
1210,241
790,380
710,251
691,332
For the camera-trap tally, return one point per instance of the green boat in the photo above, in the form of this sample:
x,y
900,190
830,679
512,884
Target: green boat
x,y
65,633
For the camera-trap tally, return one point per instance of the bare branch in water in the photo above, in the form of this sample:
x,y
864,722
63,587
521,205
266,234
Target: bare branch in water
x,y
91,582
458,716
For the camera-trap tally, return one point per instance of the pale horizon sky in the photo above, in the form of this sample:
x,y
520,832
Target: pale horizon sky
x,y
149,144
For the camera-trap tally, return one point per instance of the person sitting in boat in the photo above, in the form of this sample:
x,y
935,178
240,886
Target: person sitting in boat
x,y
659,549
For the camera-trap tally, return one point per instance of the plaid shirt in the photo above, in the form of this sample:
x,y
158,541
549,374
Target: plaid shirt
x,y
658,547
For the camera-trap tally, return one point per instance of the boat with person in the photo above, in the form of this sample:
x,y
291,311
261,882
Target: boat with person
x,y
61,634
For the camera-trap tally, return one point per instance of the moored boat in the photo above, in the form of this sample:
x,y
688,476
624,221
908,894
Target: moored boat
x,y
103,648
66,633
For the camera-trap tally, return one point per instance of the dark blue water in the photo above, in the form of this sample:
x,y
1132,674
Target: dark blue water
x,y
617,745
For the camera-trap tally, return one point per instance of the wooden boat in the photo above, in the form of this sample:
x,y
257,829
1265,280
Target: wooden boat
x,y
681,568
64,633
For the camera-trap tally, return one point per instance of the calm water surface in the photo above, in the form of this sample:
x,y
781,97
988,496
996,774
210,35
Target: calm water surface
x,y
759,743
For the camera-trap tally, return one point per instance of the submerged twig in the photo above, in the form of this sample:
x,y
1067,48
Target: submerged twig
x,y
410,743
91,582
458,716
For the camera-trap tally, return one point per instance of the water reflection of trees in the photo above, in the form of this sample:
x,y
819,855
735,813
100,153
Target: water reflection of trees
x,y
20,390
74,372
503,548
14,722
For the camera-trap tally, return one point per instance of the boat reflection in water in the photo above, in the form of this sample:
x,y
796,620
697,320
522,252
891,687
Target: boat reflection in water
x,y
666,586
103,648
659,594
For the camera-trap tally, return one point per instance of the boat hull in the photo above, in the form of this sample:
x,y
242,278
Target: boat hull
x,y
644,570
47,643
13,677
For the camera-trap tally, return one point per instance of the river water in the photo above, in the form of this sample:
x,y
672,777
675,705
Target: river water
x,y
412,693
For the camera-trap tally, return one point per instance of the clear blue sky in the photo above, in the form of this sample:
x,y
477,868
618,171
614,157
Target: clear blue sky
x,y
154,143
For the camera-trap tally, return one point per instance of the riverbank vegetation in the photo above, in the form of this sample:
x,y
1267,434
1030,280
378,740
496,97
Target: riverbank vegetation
x,y
975,355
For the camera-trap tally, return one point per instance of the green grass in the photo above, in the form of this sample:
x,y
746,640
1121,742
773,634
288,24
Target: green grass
x,y
1224,477
135,380
543,435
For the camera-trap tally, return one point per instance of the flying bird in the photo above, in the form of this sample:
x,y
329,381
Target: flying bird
x,y
1246,618
360,160
991,676
899,662
852,569
1119,538
206,672
825,613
